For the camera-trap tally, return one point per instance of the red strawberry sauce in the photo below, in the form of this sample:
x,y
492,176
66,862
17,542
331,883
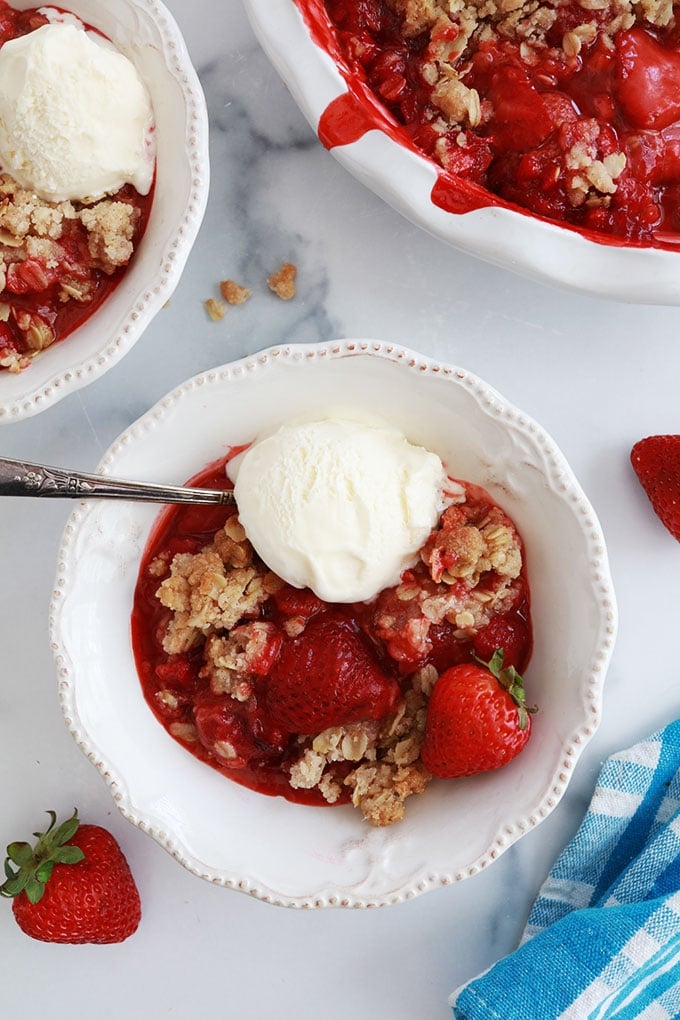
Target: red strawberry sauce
x,y
257,727
32,286
625,94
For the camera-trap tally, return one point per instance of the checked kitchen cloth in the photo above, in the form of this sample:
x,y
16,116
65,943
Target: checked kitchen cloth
x,y
603,938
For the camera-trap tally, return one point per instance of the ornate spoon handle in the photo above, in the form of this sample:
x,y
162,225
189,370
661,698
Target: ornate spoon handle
x,y
19,478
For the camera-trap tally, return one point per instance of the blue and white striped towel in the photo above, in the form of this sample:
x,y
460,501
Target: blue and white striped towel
x,y
603,938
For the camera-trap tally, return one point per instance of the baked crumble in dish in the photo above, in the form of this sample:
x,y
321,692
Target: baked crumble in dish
x,y
567,108
321,703
58,260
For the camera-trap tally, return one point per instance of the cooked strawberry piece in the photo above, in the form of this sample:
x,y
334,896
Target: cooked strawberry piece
x,y
521,120
234,732
647,82
446,649
510,633
398,622
261,643
469,157
655,155
299,602
328,676
387,75
30,276
180,544
178,673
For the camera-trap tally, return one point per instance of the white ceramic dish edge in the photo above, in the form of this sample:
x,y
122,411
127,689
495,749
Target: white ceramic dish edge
x,y
82,357
512,240
564,482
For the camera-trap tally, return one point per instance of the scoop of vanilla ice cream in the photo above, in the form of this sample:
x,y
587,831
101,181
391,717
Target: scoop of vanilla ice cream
x,y
75,118
339,506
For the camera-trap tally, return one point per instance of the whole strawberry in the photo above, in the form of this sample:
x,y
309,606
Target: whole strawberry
x,y
73,886
656,462
328,676
477,719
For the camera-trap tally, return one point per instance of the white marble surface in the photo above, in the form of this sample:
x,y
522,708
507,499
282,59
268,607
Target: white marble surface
x,y
597,375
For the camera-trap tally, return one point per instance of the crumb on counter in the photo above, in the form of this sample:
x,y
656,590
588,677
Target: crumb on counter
x,y
234,293
215,309
282,282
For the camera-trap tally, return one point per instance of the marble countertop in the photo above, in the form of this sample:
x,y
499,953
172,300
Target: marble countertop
x,y
596,375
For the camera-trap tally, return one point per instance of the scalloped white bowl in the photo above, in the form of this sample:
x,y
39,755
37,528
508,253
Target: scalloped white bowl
x,y
304,856
145,31
508,237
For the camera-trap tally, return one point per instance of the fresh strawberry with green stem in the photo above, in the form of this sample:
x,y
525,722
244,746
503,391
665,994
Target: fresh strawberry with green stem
x,y
656,462
73,886
477,719
328,676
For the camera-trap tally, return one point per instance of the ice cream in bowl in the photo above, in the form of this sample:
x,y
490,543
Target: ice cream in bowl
x,y
339,506
76,121
101,195
285,664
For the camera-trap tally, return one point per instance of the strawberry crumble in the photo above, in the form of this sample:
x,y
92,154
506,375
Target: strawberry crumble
x,y
60,257
567,108
321,703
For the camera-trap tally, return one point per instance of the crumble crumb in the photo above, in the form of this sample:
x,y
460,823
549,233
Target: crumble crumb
x,y
282,282
110,227
231,659
13,361
380,790
215,309
233,293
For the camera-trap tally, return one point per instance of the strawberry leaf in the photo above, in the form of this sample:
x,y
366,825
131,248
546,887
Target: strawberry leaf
x,y
65,831
44,871
13,886
20,853
34,890
511,681
68,855
37,863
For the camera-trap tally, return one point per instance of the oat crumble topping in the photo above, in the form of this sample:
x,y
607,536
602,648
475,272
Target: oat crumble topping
x,y
36,253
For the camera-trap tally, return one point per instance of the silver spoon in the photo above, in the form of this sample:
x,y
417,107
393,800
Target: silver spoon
x,y
21,478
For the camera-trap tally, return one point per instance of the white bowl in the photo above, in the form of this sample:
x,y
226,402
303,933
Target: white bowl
x,y
515,240
144,31
304,856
